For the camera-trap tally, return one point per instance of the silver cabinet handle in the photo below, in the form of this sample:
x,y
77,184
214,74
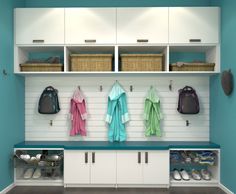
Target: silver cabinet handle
x,y
139,157
93,157
195,40
146,157
86,157
142,40
90,41
38,41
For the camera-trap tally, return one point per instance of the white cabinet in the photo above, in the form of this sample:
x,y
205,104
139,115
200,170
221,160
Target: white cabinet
x,y
76,167
39,26
194,25
90,25
146,167
142,25
103,167
82,167
156,167
129,167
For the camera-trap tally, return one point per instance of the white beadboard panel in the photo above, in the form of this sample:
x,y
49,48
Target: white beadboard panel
x,y
173,124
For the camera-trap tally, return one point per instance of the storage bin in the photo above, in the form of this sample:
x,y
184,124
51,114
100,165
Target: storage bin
x,y
192,67
91,62
141,62
41,67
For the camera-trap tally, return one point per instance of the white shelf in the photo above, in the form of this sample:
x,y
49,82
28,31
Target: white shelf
x,y
192,182
40,181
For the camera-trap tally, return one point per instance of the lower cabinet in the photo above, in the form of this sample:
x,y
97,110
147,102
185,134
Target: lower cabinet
x,y
143,167
83,167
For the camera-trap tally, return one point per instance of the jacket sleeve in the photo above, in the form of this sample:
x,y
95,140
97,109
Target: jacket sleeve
x,y
124,109
82,110
109,111
147,109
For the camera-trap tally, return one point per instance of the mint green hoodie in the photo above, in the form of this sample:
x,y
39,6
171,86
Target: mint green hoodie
x,y
117,113
152,113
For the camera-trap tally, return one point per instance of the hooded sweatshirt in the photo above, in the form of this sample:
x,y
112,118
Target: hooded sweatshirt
x,y
152,113
117,113
78,114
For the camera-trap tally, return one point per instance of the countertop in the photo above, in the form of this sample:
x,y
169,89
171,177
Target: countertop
x,y
128,145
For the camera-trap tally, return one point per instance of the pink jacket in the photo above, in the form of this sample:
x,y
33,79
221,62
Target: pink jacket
x,y
78,114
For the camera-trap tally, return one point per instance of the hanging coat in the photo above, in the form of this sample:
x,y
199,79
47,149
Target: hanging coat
x,y
78,114
152,113
117,114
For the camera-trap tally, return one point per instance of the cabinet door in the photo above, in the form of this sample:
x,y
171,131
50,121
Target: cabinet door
x,y
142,25
194,24
90,25
103,167
156,167
76,167
39,25
129,167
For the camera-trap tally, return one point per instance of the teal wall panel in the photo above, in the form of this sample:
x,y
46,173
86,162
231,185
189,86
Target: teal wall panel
x,y
11,95
223,108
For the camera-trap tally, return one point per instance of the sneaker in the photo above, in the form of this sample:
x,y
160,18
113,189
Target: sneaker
x,y
184,175
176,175
196,175
37,173
186,157
206,175
28,173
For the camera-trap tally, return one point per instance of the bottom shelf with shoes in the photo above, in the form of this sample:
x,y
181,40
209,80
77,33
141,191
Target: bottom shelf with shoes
x,y
38,167
194,167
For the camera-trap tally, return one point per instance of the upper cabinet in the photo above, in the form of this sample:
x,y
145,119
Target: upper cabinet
x,y
142,25
90,25
194,25
39,26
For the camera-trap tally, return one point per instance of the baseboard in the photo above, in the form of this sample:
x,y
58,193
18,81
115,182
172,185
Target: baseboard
x,y
225,189
8,188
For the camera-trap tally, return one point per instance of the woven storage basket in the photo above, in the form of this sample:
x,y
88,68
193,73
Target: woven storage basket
x,y
193,67
41,67
91,62
141,62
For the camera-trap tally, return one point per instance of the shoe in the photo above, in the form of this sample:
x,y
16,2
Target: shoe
x,y
184,175
176,175
196,175
206,175
37,173
175,157
186,157
194,157
28,173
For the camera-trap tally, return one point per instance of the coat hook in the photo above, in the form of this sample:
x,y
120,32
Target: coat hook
x,y
187,123
51,123
131,88
79,87
101,88
171,85
4,72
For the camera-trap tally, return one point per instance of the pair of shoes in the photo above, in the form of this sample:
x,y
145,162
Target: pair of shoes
x,y
203,174
180,175
186,156
31,173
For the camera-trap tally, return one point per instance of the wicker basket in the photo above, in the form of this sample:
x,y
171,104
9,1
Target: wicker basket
x,y
91,62
141,62
41,67
192,67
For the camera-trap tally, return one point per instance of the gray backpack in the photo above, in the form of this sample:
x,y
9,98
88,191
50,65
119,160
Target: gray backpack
x,y
48,102
188,101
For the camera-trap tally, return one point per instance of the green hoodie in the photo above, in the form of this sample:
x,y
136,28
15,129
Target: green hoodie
x,y
152,113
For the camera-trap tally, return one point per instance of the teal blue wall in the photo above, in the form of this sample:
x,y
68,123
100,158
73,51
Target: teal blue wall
x,y
223,108
11,95
115,3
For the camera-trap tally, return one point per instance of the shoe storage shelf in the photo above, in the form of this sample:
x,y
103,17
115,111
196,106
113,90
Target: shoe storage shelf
x,y
139,58
194,167
38,167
